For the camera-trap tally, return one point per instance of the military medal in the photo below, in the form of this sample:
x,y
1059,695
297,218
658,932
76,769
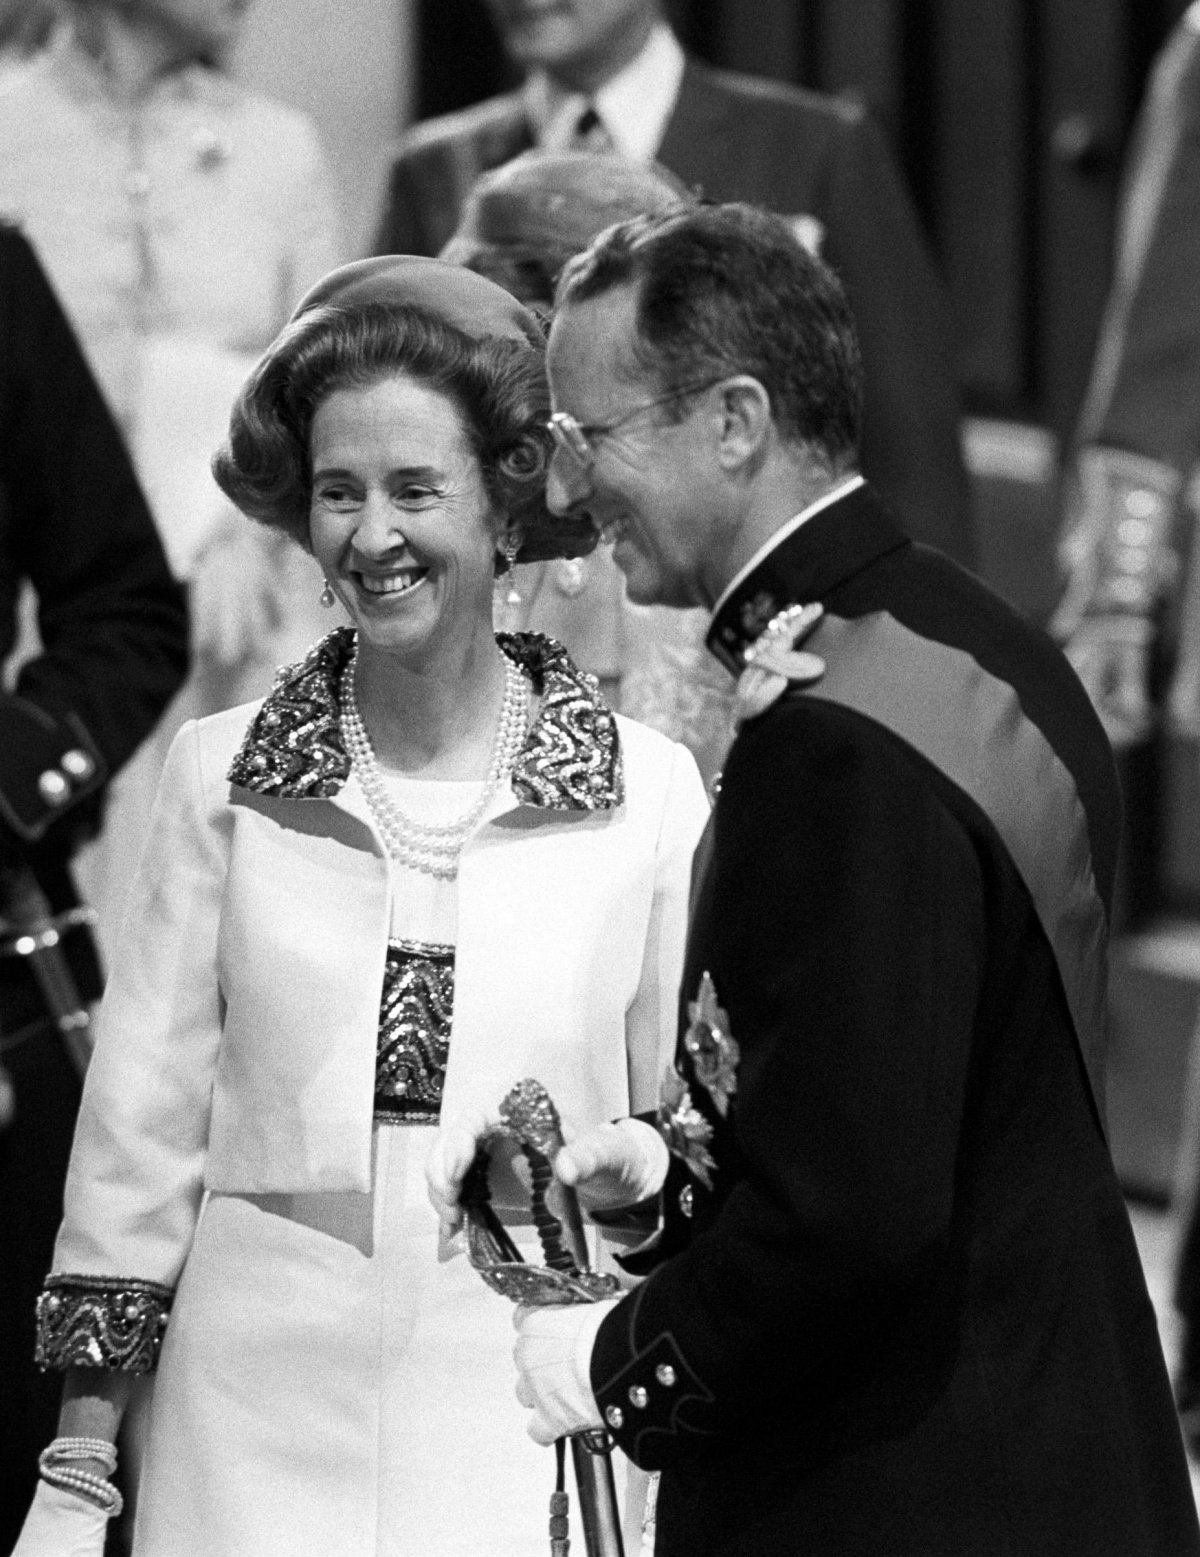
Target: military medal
x,y
773,662
684,1128
757,612
712,1047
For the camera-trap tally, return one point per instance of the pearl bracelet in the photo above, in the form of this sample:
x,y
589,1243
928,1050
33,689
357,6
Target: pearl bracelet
x,y
94,1489
81,1449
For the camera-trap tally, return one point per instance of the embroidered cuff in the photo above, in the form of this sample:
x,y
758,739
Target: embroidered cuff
x,y
112,1322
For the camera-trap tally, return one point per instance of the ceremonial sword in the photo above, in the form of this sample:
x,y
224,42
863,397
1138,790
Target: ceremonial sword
x,y
530,1118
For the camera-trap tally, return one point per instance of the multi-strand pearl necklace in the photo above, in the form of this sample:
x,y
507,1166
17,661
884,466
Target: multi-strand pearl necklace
x,y
433,848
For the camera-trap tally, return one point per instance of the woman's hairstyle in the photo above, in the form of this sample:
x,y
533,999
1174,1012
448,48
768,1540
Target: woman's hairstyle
x,y
523,221
497,384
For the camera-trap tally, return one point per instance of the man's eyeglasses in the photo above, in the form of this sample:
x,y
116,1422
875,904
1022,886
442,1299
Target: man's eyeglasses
x,y
575,439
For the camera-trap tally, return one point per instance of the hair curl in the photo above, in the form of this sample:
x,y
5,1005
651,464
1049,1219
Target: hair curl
x,y
498,385
728,289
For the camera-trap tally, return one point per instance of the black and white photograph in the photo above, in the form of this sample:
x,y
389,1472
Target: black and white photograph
x,y
599,778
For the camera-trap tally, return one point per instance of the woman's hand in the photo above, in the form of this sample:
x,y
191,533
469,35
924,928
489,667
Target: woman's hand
x,y
61,1524
450,1157
614,1166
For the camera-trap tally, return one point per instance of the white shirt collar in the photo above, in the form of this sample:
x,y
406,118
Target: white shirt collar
x,y
843,489
635,104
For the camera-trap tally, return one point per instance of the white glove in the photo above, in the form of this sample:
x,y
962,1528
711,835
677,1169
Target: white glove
x,y
553,1355
61,1524
615,1165
452,1153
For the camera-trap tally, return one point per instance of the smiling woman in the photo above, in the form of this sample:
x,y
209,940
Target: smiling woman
x,y
431,863
410,457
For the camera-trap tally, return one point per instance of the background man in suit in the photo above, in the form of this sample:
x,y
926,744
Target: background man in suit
x,y
895,1306
610,74
74,526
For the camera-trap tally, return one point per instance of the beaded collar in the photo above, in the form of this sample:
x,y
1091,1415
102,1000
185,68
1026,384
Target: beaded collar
x,y
571,759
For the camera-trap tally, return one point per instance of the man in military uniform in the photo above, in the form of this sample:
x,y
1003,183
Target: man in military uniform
x,y
113,628
611,75
1135,452
893,1302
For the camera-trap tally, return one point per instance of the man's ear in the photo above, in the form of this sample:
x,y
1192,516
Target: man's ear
x,y
745,412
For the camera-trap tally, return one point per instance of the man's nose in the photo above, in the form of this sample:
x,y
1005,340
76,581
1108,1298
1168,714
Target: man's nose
x,y
567,486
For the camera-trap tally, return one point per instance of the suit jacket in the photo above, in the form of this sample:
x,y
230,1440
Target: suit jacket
x,y
238,1036
805,156
112,621
901,1312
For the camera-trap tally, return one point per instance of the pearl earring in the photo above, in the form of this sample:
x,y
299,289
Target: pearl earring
x,y
327,597
510,545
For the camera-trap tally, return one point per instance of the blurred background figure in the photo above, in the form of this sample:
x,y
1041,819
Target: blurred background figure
x,y
179,216
25,25
519,226
75,528
610,75
1130,618
1138,439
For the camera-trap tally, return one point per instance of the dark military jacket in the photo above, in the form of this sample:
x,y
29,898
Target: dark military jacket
x,y
901,1311
112,621
806,156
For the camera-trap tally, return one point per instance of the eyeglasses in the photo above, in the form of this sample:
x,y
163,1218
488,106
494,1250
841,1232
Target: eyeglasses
x,y
575,439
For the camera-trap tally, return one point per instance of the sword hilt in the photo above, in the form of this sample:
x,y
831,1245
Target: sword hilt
x,y
531,1118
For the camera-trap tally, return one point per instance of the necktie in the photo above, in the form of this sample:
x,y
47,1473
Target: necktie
x,y
590,133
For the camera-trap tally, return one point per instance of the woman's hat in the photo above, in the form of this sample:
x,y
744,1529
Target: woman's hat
x,y
549,205
470,302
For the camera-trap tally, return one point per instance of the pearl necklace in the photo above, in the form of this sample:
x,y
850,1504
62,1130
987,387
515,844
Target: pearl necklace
x,y
433,848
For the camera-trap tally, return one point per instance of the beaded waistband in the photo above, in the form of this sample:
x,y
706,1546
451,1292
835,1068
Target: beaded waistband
x,y
414,1032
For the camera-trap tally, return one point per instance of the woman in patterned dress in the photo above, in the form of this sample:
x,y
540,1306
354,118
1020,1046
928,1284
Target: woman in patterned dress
x,y
430,863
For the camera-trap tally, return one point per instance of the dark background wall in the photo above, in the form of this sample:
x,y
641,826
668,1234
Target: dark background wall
x,y
1009,118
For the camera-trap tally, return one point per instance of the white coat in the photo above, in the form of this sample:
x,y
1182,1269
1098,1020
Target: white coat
x,y
237,1040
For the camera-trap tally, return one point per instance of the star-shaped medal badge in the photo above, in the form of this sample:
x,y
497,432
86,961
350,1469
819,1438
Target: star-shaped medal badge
x,y
774,661
711,1046
684,1128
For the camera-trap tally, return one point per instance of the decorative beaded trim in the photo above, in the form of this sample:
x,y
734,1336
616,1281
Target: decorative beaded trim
x,y
414,1032
571,759
112,1322
293,747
